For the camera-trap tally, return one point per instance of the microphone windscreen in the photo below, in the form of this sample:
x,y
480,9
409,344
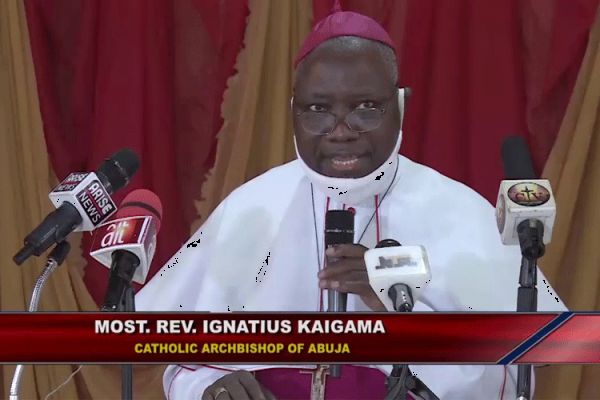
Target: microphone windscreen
x,y
141,203
516,159
339,227
387,243
120,168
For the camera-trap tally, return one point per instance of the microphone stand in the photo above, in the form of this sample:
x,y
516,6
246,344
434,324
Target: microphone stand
x,y
127,369
531,233
55,258
120,297
127,304
401,381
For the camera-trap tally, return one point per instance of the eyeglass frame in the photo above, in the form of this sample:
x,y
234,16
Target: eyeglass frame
x,y
382,110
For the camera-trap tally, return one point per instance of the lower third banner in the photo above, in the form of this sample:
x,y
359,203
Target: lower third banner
x,y
277,338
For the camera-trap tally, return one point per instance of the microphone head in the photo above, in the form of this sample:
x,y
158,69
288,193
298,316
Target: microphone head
x,y
387,243
119,168
339,227
516,159
141,203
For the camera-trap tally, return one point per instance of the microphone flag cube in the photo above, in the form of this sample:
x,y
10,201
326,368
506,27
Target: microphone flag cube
x,y
134,234
85,192
388,266
520,200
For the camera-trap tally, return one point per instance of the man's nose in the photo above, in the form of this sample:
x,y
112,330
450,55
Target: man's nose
x,y
341,131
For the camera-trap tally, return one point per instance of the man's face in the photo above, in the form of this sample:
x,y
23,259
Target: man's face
x,y
340,82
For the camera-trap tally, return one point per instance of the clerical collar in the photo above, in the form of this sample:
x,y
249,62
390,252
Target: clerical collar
x,y
355,191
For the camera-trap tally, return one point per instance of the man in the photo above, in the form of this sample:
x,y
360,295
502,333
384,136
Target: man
x,y
262,249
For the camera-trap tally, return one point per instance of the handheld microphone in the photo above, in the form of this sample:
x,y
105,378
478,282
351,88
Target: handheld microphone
x,y
398,274
82,202
339,229
127,244
525,204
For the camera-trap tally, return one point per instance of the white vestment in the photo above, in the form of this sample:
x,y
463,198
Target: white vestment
x,y
260,250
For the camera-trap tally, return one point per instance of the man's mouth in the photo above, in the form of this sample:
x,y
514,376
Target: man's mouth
x,y
345,162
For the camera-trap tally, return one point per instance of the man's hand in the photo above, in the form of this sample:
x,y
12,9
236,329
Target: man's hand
x,y
239,385
346,272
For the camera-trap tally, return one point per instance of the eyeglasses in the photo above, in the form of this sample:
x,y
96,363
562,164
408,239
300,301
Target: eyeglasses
x,y
359,120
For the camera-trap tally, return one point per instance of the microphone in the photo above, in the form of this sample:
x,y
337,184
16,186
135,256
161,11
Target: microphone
x,y
127,244
398,274
525,214
525,210
82,202
339,229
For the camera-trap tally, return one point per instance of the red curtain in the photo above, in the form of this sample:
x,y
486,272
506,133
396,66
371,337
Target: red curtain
x,y
143,74
150,75
480,71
